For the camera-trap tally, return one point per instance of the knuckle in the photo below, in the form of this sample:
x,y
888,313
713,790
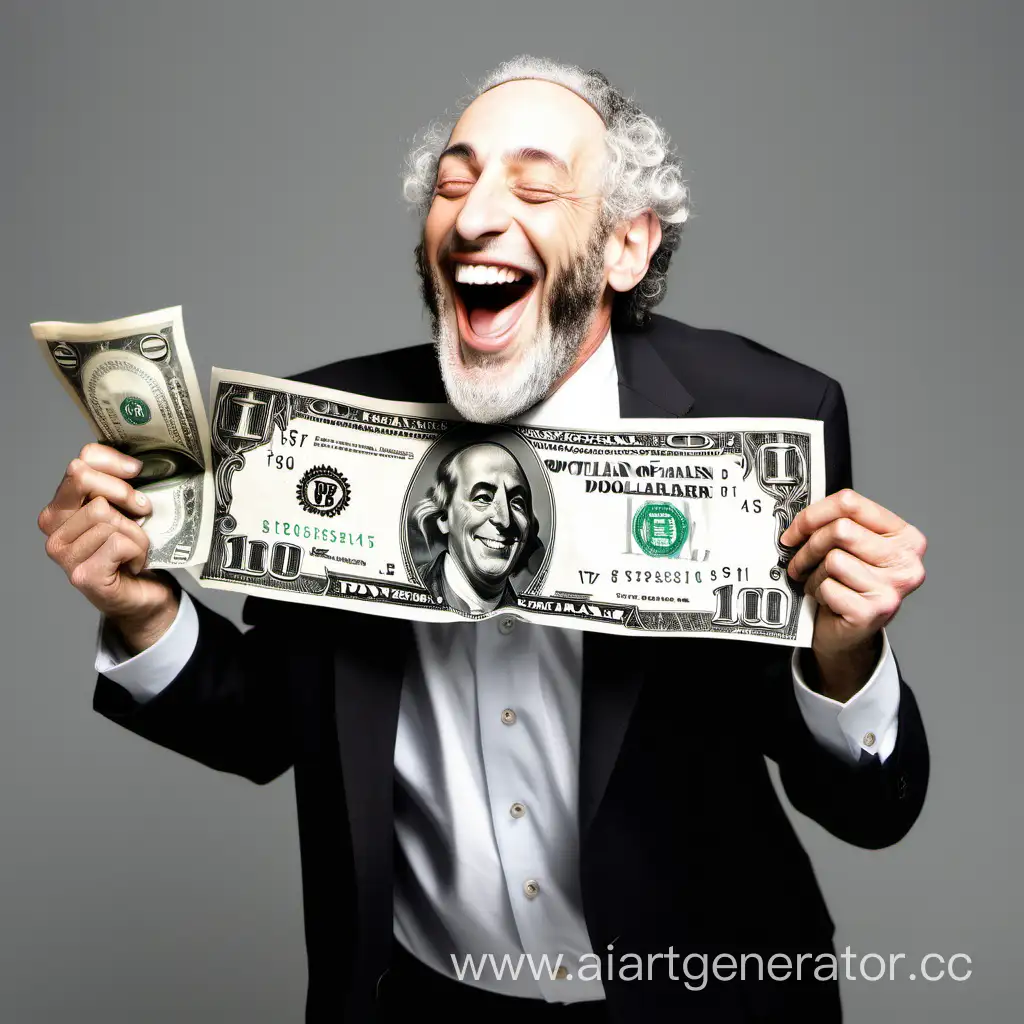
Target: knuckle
x,y
844,529
848,499
44,519
909,574
917,540
105,531
833,561
75,467
53,546
80,576
99,508
89,450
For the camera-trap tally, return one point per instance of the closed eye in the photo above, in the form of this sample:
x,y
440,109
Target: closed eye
x,y
536,194
452,188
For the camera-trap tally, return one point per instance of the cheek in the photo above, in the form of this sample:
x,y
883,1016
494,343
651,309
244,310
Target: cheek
x,y
464,518
438,224
558,235
522,524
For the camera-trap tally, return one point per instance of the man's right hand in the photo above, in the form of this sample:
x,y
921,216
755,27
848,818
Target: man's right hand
x,y
103,550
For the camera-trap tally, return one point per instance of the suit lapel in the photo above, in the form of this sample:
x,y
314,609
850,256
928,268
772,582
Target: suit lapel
x,y
611,671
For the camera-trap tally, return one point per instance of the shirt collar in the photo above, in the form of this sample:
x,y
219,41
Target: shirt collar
x,y
592,389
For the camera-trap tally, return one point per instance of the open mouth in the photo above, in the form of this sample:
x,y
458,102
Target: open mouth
x,y
490,300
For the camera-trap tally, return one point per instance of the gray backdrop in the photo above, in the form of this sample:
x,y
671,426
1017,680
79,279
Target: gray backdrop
x,y
855,173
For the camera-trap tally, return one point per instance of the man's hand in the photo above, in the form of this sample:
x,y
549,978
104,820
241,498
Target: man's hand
x,y
858,561
102,550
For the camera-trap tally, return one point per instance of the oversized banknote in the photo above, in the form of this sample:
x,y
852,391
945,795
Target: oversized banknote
x,y
135,384
635,527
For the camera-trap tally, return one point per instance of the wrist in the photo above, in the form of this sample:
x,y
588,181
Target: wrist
x,y
140,628
841,674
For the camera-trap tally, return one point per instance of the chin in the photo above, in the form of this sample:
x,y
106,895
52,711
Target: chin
x,y
490,387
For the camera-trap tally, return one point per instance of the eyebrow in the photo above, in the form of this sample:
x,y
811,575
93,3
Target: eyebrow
x,y
514,491
523,155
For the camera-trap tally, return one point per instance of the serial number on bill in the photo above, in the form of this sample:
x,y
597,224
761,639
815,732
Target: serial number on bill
x,y
683,576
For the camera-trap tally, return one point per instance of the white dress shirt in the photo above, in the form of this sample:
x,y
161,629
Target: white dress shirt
x,y
486,759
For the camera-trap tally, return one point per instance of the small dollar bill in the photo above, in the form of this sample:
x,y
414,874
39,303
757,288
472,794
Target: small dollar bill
x,y
134,382
634,527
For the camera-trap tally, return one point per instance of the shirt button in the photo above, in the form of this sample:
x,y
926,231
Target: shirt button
x,y
508,716
506,624
517,810
869,739
531,888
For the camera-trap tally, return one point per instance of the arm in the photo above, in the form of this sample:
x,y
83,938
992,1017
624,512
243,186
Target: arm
x,y
226,706
223,701
870,801
812,705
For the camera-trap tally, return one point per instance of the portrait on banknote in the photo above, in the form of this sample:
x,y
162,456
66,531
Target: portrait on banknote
x,y
479,518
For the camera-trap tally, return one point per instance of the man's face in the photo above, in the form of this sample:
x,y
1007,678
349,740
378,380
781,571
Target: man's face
x,y
488,520
512,254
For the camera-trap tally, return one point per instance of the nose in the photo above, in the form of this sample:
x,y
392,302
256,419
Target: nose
x,y
500,514
484,211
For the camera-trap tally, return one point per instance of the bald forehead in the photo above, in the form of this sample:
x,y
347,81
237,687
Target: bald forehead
x,y
482,461
532,114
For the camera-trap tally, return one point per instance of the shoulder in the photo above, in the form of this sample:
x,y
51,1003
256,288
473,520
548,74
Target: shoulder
x,y
726,372
399,375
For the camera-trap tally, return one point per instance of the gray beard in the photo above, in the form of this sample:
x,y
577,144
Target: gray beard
x,y
485,388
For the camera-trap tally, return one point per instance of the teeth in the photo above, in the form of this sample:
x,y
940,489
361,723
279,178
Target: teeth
x,y
486,273
494,545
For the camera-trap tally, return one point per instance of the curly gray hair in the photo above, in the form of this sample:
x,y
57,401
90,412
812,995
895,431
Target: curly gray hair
x,y
641,172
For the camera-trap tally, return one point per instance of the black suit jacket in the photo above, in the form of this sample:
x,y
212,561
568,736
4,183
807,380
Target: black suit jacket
x,y
684,844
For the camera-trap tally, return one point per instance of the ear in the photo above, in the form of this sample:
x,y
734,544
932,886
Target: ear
x,y
629,249
442,523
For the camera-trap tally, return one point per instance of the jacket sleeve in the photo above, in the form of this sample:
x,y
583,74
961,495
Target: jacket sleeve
x,y
872,804
228,707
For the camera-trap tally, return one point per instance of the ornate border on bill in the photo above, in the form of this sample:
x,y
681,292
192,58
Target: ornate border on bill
x,y
637,527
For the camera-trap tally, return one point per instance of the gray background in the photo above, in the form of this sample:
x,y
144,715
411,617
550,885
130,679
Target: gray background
x,y
855,172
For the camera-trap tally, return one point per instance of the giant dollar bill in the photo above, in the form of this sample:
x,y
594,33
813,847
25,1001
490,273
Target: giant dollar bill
x,y
135,384
635,527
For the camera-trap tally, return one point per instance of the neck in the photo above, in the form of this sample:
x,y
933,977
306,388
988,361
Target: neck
x,y
591,342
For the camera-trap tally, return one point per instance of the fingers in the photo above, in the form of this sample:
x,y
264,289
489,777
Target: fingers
x,y
67,545
860,593
864,613
99,471
109,460
846,569
848,535
843,504
844,602
99,573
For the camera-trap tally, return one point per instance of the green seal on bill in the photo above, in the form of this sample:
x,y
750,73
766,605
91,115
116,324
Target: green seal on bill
x,y
135,411
660,529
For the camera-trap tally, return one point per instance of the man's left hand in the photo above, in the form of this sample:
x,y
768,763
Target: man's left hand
x,y
859,561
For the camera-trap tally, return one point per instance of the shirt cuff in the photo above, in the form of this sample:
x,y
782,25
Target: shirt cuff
x,y
145,674
866,723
